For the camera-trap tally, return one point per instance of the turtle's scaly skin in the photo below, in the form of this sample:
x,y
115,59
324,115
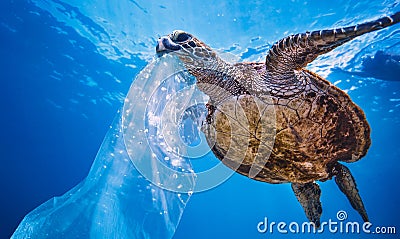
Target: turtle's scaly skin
x,y
278,122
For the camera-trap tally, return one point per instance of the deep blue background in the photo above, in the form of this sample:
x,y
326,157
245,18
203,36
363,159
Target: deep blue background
x,y
46,149
53,125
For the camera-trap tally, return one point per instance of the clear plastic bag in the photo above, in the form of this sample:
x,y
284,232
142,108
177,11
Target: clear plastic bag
x,y
120,197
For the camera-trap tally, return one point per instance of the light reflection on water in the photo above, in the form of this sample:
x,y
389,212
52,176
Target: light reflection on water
x,y
127,29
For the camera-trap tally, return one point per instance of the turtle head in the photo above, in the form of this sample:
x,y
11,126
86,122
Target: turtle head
x,y
188,48
201,61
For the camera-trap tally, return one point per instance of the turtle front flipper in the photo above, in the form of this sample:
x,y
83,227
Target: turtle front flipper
x,y
308,195
191,123
296,51
348,186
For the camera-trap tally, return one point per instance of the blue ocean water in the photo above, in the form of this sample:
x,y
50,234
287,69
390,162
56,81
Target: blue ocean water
x,y
66,67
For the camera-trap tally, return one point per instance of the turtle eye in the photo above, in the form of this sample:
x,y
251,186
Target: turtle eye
x,y
182,37
179,36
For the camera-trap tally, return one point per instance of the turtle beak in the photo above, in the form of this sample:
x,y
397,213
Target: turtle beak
x,y
166,45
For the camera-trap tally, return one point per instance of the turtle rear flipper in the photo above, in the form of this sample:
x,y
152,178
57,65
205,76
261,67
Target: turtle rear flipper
x,y
348,186
308,195
296,51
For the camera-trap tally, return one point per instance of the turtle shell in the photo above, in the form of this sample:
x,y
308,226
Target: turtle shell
x,y
292,133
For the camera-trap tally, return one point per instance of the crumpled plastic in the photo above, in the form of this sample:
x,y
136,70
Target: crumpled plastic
x,y
129,191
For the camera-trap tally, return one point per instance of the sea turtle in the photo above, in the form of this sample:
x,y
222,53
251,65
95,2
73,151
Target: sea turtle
x,y
312,124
